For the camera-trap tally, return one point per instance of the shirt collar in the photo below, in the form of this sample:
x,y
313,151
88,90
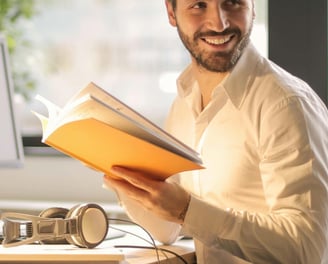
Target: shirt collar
x,y
186,82
235,84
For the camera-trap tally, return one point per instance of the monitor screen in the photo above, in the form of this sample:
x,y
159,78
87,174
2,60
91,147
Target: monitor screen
x,y
11,149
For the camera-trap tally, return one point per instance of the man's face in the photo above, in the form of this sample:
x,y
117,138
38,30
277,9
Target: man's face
x,y
215,32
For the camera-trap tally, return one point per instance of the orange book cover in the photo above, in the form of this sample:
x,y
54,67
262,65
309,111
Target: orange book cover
x,y
101,131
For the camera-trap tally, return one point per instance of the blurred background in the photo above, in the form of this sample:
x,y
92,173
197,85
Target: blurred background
x,y
56,48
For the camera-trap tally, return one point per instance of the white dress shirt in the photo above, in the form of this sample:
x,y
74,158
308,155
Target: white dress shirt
x,y
263,196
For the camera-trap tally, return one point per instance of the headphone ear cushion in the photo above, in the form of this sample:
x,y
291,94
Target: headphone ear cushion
x,y
90,223
54,212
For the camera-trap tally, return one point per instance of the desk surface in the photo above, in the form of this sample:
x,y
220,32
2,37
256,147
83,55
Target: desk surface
x,y
183,248
104,253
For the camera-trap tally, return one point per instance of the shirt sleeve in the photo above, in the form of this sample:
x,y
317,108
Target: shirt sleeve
x,y
163,231
294,177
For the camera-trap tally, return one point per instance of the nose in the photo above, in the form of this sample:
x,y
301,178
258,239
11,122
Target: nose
x,y
217,19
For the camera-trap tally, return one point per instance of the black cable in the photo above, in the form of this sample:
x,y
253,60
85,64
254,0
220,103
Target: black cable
x,y
150,236
151,248
130,233
154,247
140,237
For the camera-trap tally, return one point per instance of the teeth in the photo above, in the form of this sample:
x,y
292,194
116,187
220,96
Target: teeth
x,y
219,41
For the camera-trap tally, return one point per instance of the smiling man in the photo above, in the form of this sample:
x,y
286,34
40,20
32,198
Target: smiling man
x,y
215,45
263,137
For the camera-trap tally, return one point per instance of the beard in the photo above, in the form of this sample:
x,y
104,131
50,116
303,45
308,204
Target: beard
x,y
216,61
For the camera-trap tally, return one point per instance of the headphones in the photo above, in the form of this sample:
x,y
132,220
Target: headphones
x,y
84,225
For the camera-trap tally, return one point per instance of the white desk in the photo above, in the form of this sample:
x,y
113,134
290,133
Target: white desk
x,y
59,254
104,253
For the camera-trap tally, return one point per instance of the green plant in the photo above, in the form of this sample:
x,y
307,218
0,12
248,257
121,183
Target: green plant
x,y
12,14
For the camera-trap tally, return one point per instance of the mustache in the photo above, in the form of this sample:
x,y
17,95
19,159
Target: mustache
x,y
212,33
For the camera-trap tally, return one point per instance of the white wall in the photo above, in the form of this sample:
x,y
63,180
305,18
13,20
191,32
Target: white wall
x,y
53,180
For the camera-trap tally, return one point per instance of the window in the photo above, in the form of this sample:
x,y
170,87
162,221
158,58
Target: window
x,y
127,47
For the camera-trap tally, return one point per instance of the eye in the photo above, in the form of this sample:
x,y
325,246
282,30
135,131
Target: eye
x,y
199,5
233,5
233,2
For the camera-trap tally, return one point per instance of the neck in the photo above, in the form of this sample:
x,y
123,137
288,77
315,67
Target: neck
x,y
207,82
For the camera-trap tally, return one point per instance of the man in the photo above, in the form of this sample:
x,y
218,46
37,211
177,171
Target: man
x,y
262,134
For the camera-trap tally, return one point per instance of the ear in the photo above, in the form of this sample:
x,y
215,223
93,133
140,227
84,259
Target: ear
x,y
170,13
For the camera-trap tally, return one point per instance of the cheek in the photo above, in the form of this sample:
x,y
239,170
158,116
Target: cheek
x,y
241,16
189,23
248,18
244,23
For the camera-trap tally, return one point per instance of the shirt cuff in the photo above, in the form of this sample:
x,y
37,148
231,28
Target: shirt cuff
x,y
207,223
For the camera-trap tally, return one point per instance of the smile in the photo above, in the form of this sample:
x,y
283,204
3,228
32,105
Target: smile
x,y
218,41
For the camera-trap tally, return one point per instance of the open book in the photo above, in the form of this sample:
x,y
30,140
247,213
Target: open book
x,y
101,131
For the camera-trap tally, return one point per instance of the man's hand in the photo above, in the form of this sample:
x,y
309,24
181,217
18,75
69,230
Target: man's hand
x,y
168,200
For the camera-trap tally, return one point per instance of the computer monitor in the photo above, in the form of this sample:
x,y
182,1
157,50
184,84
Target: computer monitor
x,y
11,148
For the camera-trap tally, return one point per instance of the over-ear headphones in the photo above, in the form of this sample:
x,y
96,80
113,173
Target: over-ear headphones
x,y
84,225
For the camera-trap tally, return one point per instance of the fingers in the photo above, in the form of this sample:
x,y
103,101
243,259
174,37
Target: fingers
x,y
122,186
165,199
137,179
